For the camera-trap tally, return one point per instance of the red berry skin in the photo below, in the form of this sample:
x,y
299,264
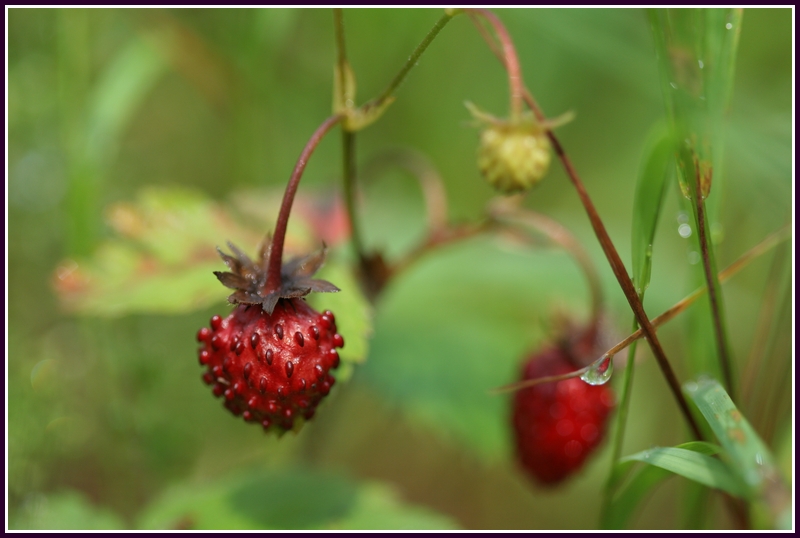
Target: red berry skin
x,y
558,425
271,369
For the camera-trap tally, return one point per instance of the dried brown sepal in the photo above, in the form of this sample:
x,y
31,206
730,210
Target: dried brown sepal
x,y
249,278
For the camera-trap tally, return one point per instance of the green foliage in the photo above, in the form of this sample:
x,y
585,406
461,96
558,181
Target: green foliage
x,y
65,511
163,121
289,498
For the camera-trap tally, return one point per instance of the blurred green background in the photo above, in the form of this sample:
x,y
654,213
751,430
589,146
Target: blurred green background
x,y
109,425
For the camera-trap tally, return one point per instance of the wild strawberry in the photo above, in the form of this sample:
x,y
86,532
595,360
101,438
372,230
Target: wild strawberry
x,y
514,155
270,359
558,425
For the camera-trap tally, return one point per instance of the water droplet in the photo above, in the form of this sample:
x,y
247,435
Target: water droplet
x,y
691,386
674,86
694,257
759,459
700,63
685,231
599,372
683,217
728,26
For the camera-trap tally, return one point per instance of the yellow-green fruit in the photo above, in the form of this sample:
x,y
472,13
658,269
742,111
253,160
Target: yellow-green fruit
x,y
513,158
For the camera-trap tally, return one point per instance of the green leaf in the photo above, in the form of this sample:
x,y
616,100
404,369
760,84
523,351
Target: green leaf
x,y
287,498
692,465
748,454
650,188
744,447
692,460
68,510
458,325
120,90
353,315
162,257
160,261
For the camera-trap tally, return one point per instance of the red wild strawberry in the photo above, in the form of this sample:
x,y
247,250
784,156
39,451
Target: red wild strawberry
x,y
558,425
270,359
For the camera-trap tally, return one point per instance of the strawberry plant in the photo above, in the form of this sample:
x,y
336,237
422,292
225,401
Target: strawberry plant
x,y
573,293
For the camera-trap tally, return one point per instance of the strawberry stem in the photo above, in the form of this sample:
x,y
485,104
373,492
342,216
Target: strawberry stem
x,y
276,249
509,59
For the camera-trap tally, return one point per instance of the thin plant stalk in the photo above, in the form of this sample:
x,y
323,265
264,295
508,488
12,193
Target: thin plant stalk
x,y
276,249
412,60
714,292
769,242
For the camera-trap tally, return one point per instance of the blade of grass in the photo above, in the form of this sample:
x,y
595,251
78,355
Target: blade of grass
x,y
627,500
749,456
648,200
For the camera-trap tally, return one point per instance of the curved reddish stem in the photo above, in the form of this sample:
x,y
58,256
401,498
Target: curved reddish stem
x,y
510,58
276,250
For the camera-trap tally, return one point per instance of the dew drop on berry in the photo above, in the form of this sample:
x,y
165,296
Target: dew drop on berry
x,y
325,387
279,331
330,316
254,340
268,356
298,337
248,369
216,322
338,341
253,401
281,392
334,358
599,371
289,368
218,390
203,334
204,356
247,416
208,378
288,412
314,332
229,395
238,387
319,371
303,403
266,423
302,384
272,406
262,384
217,370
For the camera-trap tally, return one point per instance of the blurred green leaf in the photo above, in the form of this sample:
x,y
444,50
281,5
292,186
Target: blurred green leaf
x,y
68,510
749,456
446,336
627,500
692,465
353,315
651,186
164,254
120,90
288,498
